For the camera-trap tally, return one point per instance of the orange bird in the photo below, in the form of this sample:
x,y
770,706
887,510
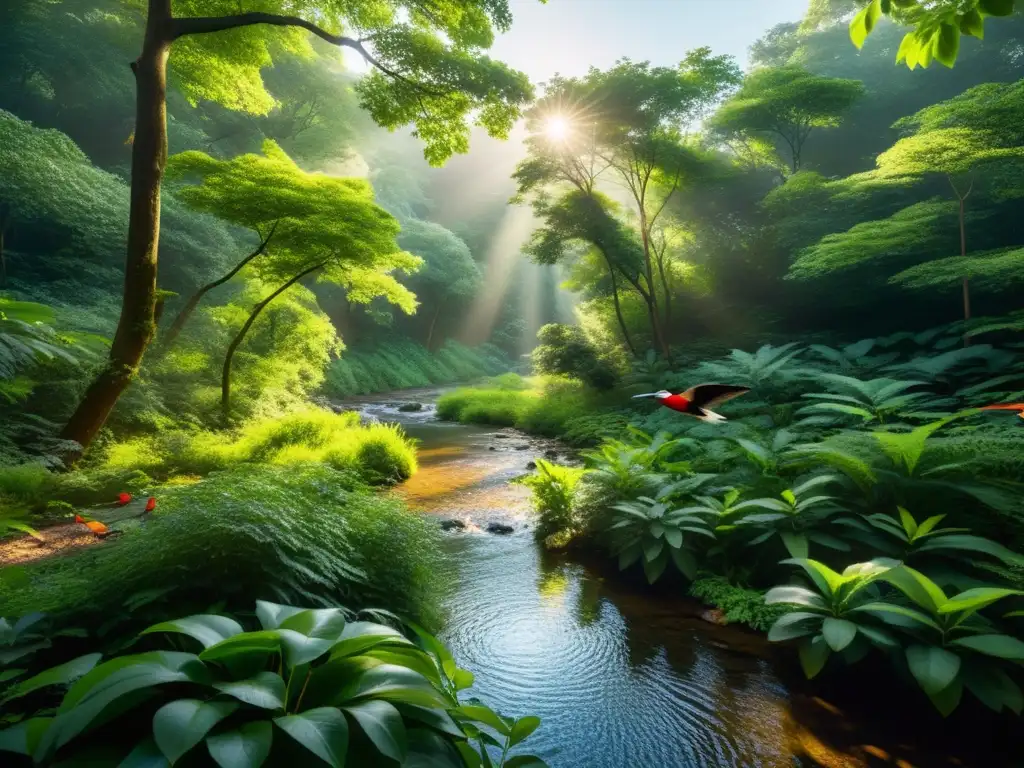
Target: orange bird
x,y
1019,407
93,525
151,504
123,498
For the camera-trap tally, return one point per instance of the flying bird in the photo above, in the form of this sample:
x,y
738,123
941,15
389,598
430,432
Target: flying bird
x,y
1019,407
696,401
93,525
123,498
151,504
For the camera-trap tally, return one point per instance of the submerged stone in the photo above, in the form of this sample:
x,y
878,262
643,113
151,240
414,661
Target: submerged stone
x,y
499,528
410,407
453,525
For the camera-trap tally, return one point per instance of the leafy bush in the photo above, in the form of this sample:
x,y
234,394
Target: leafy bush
x,y
380,453
308,685
564,350
554,488
740,605
544,409
302,533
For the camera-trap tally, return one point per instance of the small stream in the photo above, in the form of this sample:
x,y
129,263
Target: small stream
x,y
621,678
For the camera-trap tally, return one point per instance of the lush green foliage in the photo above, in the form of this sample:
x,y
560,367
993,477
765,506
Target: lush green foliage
x,y
554,497
344,690
566,351
740,605
302,532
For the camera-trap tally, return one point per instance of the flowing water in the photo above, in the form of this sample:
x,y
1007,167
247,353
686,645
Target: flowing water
x,y
620,677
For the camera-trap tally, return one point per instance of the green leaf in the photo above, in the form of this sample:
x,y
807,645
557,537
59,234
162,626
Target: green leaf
x,y
813,655
180,725
996,7
926,527
245,643
948,698
482,714
970,544
323,731
438,719
793,625
326,623
909,524
629,555
878,637
1000,646
973,600
146,754
24,736
934,668
674,537
838,633
360,636
864,22
947,44
827,580
271,615
794,596
396,684
383,725
208,629
796,544
265,690
973,23
898,615
60,675
522,729
462,679
248,746
917,587
685,562
302,649
994,688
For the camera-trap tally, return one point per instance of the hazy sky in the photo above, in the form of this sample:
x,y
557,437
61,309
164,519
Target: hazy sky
x,y
567,36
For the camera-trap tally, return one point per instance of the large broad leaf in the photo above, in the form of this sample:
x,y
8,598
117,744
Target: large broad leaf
x,y
244,644
796,543
265,690
970,544
60,675
248,746
208,629
795,624
326,623
827,580
93,681
107,690
685,562
271,615
485,715
525,761
898,615
654,568
180,725
359,636
948,698
300,648
813,655
415,659
382,723
146,754
994,687
23,737
794,596
1000,646
323,731
838,633
522,728
436,718
917,587
975,599
395,684
934,668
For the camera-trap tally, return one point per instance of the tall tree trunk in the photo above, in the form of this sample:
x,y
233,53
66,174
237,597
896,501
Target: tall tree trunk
x,y
618,310
652,298
136,327
965,282
225,379
433,322
179,322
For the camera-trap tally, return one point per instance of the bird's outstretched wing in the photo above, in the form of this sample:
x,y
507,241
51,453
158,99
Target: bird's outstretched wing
x,y
707,395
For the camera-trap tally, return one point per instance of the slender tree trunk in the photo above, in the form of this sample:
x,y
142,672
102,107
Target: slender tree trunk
x,y
965,282
652,298
433,322
136,327
618,310
5,221
179,322
225,380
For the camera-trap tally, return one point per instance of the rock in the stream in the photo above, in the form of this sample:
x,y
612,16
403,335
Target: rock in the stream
x,y
491,448
453,525
522,447
499,528
714,616
551,453
531,465
502,436
410,407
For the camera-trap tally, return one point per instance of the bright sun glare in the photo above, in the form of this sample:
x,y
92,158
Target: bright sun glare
x,y
557,128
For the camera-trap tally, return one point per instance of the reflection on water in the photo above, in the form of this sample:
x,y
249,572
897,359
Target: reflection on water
x,y
620,678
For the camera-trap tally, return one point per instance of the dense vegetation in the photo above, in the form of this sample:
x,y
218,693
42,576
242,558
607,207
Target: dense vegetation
x,y
199,251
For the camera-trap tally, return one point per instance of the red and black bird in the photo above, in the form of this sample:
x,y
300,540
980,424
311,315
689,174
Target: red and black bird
x,y
697,401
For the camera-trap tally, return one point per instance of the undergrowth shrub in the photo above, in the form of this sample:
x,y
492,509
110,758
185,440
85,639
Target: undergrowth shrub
x,y
554,488
305,533
740,605
544,409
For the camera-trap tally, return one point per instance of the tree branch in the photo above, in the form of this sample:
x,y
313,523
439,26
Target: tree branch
x,y
201,25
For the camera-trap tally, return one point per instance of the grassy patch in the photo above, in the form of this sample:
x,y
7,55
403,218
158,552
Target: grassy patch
x,y
303,534
741,606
